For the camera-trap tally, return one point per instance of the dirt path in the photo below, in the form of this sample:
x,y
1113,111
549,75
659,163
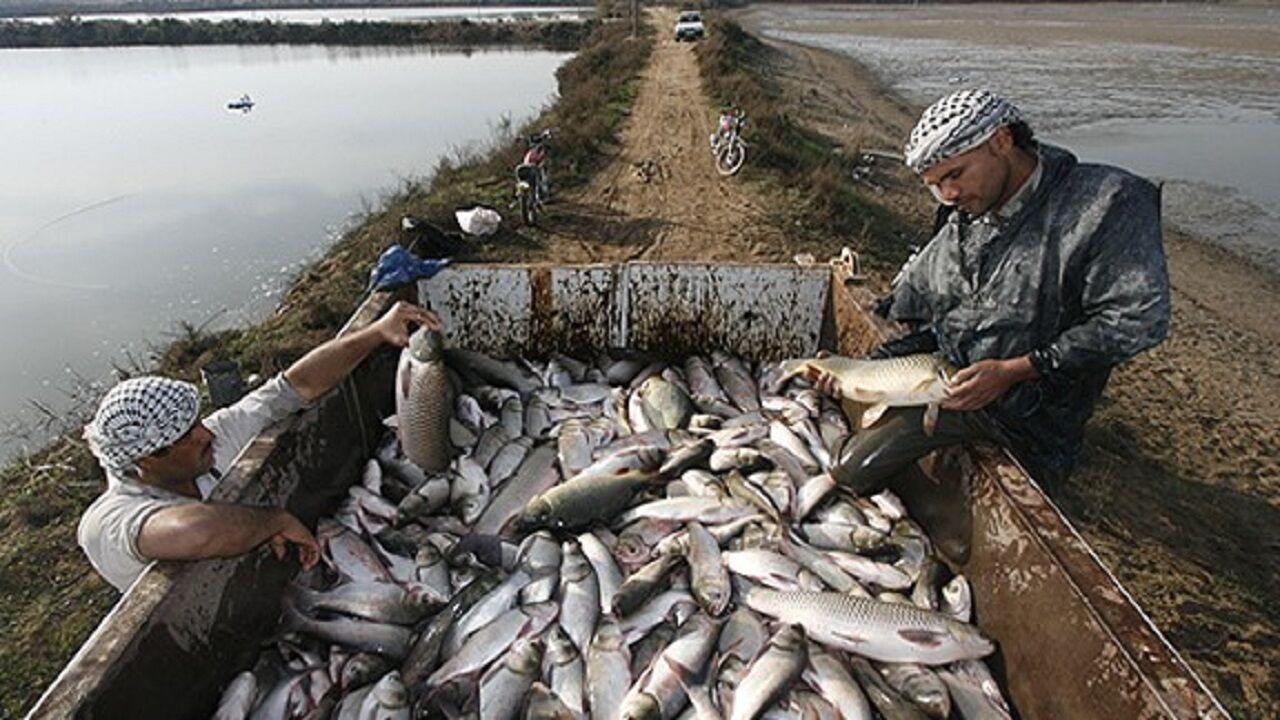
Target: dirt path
x,y
661,198
1179,488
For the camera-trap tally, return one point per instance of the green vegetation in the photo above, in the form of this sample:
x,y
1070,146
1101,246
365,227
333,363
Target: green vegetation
x,y
50,598
74,32
825,204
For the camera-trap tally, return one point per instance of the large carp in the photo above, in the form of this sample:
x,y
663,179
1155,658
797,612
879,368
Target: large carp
x,y
881,384
424,401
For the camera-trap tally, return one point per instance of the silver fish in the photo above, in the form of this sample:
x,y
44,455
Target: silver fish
x,y
608,669
505,684
579,596
424,401
385,639
608,576
881,384
830,678
388,700
536,474
374,601
500,372
566,671
238,698
771,674
957,599
881,631
974,692
491,641
707,575
921,686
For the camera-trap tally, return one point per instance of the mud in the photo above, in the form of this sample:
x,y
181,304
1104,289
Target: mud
x,y
1179,489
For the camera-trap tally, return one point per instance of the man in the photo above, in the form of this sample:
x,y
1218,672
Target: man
x,y
1044,274
162,461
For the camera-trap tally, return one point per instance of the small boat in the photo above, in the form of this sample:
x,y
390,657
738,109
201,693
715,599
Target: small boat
x,y
244,104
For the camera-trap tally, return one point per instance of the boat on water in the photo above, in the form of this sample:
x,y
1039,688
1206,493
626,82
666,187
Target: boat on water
x,y
244,104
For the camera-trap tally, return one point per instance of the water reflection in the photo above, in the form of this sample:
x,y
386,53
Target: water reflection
x,y
132,198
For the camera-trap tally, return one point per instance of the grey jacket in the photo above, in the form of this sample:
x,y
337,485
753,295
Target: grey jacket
x,y
1075,278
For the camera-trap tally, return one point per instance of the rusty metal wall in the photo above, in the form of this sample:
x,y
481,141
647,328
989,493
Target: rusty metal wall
x,y
758,311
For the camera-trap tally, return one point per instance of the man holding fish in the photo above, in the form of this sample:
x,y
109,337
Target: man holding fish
x,y
162,461
1043,274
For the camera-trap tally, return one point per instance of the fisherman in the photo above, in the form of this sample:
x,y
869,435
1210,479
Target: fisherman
x,y
1043,274
162,461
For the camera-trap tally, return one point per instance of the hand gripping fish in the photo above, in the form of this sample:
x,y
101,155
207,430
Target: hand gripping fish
x,y
881,384
424,401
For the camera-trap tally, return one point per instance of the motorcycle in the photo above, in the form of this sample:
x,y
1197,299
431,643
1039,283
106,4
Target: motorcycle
x,y
533,183
727,145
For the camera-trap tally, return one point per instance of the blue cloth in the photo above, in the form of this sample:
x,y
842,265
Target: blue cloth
x,y
398,267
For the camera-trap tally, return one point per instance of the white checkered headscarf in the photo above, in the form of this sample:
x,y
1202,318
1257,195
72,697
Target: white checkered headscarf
x,y
140,416
957,124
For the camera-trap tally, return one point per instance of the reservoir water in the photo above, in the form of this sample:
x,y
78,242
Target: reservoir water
x,y
313,16
1185,94
133,199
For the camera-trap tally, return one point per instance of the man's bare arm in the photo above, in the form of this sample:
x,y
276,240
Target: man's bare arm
x,y
320,370
194,531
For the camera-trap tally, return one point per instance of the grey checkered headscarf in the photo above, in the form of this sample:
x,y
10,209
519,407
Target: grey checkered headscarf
x,y
957,124
140,416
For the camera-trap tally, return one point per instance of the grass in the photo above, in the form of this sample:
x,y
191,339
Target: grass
x,y
50,598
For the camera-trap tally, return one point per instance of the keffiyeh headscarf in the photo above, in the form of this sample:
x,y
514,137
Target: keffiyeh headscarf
x,y
140,416
956,124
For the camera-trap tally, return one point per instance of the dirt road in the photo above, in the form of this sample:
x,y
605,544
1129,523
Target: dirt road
x,y
661,198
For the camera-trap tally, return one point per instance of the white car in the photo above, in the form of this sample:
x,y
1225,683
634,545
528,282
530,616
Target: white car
x,y
689,26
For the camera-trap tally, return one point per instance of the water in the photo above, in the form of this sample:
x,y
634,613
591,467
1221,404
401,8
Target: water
x,y
133,199
319,15
1184,94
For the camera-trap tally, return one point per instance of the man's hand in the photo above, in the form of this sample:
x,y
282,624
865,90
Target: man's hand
x,y
823,382
396,324
978,385
293,532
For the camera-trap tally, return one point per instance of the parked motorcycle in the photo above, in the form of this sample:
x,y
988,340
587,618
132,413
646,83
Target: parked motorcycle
x,y
727,145
533,183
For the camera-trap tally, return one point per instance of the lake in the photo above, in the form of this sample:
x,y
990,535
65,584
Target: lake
x,y
132,198
386,14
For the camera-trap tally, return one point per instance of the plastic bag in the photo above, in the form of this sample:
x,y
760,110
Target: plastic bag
x,y
479,220
397,267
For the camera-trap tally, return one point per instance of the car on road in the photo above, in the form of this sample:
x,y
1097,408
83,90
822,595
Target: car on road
x,y
689,26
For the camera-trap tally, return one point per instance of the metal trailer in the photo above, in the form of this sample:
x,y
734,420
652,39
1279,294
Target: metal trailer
x,y
1072,642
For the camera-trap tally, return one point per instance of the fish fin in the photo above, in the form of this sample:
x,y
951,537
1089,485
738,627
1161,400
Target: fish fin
x,y
849,637
872,414
853,410
931,419
927,638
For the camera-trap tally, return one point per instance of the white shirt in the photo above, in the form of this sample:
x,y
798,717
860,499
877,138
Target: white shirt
x,y
109,528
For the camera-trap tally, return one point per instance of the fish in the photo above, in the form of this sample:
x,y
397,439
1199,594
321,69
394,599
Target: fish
x,y
424,401
500,372
886,700
910,380
771,675
382,638
974,693
921,686
707,574
596,494
374,601
827,674
505,684
881,631
536,474
237,699
608,668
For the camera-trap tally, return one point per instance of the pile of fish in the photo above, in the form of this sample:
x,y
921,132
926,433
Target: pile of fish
x,y
619,539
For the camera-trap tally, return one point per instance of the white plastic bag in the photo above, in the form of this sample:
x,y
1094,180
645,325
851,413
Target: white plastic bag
x,y
479,220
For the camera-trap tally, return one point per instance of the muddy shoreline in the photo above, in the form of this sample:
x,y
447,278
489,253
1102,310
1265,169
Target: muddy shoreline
x,y
1179,488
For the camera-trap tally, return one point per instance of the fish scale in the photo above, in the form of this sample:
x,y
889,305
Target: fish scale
x,y
424,401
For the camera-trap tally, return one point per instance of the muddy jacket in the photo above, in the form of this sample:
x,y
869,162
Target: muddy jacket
x,y
1075,278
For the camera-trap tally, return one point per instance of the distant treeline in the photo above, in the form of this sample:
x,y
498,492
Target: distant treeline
x,y
73,32
72,7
